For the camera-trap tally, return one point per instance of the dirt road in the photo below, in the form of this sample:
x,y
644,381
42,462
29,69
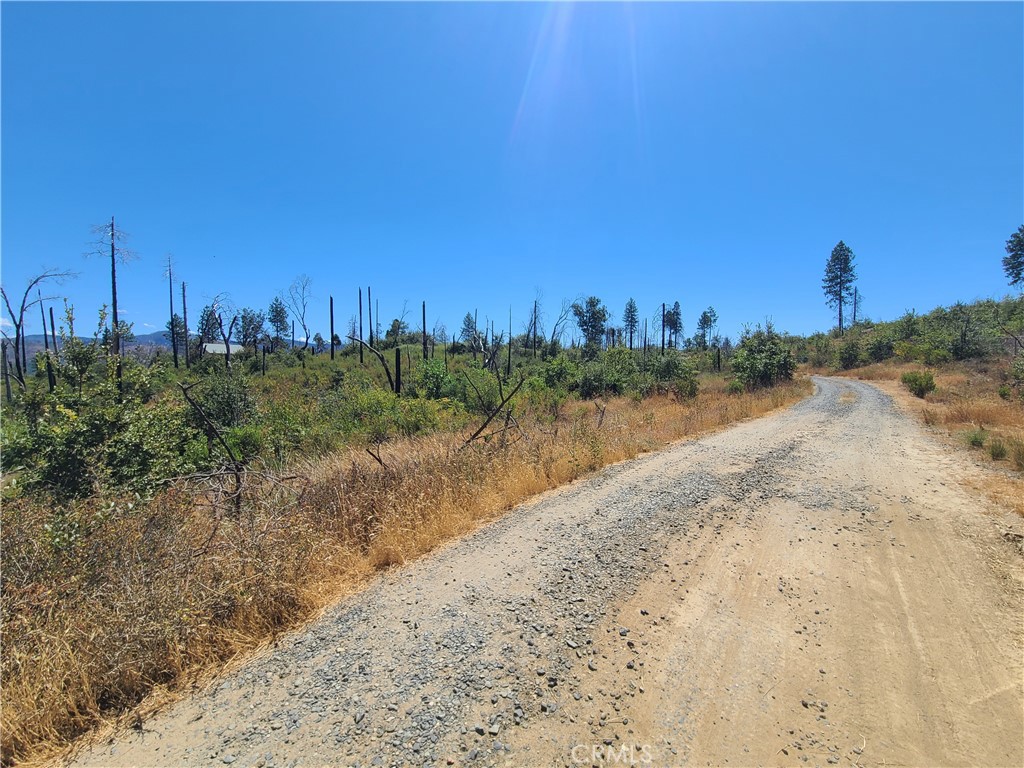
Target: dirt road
x,y
815,587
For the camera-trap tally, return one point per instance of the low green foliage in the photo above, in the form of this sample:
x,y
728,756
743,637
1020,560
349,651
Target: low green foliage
x,y
762,359
849,354
959,332
997,449
976,438
920,383
1016,447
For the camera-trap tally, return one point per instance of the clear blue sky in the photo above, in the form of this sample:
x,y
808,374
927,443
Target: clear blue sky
x,y
471,154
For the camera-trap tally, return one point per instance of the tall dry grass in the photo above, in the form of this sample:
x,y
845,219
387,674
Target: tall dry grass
x,y
103,601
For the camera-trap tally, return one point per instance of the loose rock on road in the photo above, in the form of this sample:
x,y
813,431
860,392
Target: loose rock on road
x,y
814,587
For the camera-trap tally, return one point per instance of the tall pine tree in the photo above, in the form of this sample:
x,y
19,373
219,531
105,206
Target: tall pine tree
x,y
840,274
631,320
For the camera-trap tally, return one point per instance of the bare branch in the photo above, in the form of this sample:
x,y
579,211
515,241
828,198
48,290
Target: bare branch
x,y
496,411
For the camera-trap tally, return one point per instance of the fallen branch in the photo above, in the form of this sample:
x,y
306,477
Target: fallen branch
x,y
377,457
211,430
495,412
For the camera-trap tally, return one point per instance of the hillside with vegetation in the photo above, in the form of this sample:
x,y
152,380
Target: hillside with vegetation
x,y
166,507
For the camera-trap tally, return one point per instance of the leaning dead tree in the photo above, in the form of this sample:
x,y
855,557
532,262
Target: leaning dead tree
x,y
383,362
17,317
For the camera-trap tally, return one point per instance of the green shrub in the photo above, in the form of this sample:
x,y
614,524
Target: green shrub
x,y
920,383
849,355
592,380
685,387
225,399
762,360
246,441
1017,453
431,380
821,351
735,387
559,372
997,449
879,348
976,438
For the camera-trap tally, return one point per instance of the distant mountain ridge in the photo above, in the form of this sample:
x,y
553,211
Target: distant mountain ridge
x,y
34,342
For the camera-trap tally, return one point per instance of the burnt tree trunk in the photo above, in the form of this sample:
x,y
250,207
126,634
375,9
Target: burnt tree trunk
x,y
116,341
360,325
184,321
398,370
174,331
5,369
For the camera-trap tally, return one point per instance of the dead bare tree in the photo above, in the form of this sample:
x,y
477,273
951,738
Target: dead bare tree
x,y
174,330
222,306
297,300
109,237
564,315
17,318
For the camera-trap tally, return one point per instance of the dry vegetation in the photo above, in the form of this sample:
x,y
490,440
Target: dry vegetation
x,y
967,408
107,602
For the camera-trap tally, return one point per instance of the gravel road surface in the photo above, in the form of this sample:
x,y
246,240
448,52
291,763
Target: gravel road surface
x,y
816,587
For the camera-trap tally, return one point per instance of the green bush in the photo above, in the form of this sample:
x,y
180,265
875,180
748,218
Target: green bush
x,y
976,438
246,441
735,387
997,449
591,382
920,383
762,360
559,372
685,386
225,399
849,354
431,380
879,348
1017,453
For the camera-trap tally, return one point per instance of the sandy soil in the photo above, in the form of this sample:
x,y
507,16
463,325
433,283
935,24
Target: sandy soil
x,y
817,587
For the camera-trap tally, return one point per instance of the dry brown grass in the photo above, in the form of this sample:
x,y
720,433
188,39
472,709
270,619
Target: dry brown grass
x,y
966,401
105,601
